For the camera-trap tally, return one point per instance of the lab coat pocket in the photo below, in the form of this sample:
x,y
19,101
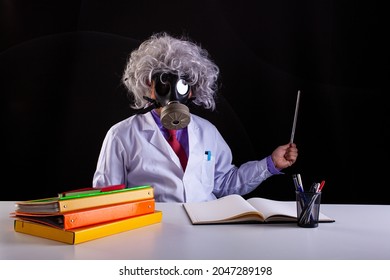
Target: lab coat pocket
x,y
208,167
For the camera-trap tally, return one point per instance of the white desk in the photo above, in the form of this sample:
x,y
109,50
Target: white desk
x,y
360,232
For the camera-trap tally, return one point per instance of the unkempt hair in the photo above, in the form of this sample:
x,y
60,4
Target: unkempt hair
x,y
162,53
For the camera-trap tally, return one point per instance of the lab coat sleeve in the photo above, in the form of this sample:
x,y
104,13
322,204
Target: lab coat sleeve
x,y
110,166
231,179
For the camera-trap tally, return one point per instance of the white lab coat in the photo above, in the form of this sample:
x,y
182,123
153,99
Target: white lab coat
x,y
135,152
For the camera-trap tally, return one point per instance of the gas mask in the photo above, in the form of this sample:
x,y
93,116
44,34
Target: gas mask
x,y
172,94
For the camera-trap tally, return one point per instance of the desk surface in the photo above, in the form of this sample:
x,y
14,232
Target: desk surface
x,y
360,232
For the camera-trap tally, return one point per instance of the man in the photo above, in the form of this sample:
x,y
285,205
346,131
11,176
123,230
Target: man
x,y
183,156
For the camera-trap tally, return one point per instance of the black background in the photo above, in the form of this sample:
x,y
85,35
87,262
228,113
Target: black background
x,y
61,64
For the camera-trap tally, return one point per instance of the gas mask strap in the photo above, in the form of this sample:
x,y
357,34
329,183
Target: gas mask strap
x,y
154,105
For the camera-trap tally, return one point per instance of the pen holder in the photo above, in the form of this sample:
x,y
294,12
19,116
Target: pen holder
x,y
308,208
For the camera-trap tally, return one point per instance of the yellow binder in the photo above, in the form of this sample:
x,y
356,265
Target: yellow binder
x,y
84,234
61,205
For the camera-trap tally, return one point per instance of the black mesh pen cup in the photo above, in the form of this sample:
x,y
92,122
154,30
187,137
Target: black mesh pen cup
x,y
308,208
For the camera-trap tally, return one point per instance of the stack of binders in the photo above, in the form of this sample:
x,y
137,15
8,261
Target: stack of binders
x,y
82,215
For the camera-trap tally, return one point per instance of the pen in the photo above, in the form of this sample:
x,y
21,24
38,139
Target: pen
x,y
296,184
313,187
321,185
317,186
208,154
300,181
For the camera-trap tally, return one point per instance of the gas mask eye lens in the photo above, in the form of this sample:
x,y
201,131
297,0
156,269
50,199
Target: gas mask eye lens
x,y
182,87
161,87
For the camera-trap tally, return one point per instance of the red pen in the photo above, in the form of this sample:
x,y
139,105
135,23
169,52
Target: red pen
x,y
321,185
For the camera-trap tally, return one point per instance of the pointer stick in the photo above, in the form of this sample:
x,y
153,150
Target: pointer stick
x,y
295,117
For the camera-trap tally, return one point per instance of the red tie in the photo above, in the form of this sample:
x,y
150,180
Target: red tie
x,y
177,148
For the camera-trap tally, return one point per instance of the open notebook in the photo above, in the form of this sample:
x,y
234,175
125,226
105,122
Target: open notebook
x,y
235,209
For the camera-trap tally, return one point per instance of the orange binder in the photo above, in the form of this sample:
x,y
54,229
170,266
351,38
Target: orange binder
x,y
90,216
83,234
62,205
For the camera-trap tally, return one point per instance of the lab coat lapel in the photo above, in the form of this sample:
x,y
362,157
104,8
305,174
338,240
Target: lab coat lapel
x,y
154,137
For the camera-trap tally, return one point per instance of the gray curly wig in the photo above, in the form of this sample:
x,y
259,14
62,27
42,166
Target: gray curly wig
x,y
162,53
